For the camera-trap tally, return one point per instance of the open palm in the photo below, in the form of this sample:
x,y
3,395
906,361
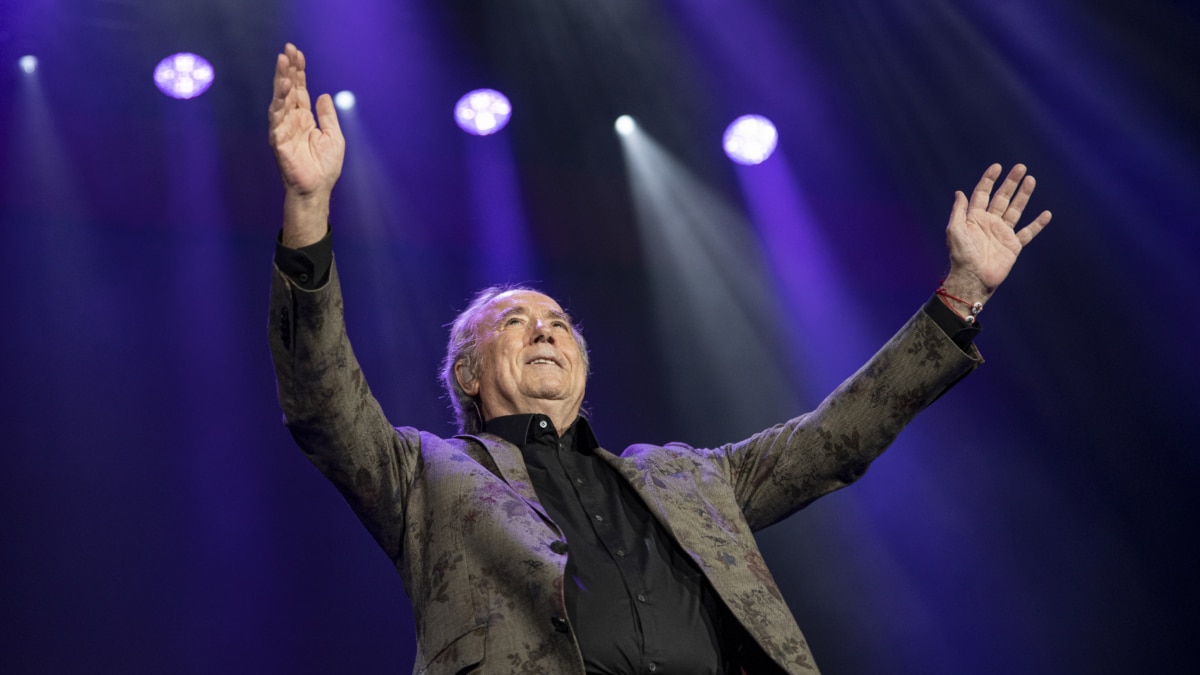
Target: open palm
x,y
309,157
982,234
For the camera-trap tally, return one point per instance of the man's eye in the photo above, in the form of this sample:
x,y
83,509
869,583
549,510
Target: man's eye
x,y
512,321
560,324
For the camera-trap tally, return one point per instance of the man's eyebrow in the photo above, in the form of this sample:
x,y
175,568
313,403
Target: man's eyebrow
x,y
516,309
524,311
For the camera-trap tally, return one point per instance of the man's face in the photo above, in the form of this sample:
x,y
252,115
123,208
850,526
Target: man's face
x,y
529,359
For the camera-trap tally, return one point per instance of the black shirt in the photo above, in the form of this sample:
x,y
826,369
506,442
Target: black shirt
x,y
636,601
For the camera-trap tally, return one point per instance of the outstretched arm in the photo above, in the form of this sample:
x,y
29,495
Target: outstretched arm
x,y
784,468
309,156
325,399
983,237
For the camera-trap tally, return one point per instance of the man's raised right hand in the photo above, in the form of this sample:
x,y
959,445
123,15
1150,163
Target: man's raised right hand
x,y
309,156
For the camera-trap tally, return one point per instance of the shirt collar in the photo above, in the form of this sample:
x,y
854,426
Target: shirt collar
x,y
524,428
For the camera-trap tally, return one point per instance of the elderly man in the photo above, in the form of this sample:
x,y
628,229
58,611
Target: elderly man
x,y
524,545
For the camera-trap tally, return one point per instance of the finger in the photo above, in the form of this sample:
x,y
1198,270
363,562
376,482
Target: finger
x,y
300,63
282,63
983,189
958,212
293,54
298,97
1027,233
282,86
287,99
1012,214
289,68
282,83
1005,192
327,116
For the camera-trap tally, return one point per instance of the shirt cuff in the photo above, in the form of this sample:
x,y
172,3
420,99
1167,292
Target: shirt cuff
x,y
961,332
308,267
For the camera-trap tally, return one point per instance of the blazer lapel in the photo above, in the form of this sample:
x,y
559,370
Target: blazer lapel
x,y
511,467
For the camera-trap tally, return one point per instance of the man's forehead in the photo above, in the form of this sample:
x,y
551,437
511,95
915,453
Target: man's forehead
x,y
521,299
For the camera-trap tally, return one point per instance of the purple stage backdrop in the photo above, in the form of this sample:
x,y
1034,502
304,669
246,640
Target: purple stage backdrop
x,y
157,518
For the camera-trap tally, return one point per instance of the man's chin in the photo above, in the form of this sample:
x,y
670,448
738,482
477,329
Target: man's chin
x,y
549,393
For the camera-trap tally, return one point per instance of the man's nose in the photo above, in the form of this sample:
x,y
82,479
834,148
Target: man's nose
x,y
541,332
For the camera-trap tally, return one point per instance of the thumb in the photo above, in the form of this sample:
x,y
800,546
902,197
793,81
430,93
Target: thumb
x,y
327,116
958,212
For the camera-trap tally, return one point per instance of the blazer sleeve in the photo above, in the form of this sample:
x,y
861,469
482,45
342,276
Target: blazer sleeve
x,y
782,469
329,409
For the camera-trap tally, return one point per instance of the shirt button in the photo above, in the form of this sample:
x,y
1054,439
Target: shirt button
x,y
579,481
542,424
620,553
599,518
652,667
559,547
641,598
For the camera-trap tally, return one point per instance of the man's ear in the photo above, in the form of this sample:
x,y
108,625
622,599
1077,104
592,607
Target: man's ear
x,y
466,379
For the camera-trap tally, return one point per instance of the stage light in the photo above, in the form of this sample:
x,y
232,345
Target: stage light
x,y
625,125
482,112
344,100
750,139
183,75
28,64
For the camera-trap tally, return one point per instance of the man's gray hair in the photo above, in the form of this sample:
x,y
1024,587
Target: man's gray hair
x,y
463,347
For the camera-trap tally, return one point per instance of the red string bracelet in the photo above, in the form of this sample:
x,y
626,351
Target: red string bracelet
x,y
973,309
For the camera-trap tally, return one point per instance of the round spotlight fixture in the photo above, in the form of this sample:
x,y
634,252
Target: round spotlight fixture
x,y
28,64
344,100
625,125
750,139
482,112
183,75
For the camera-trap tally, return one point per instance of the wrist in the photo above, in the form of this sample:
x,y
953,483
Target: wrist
x,y
967,287
964,294
305,218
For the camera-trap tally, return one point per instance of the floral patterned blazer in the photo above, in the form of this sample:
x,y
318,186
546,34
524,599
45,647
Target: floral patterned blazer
x,y
477,553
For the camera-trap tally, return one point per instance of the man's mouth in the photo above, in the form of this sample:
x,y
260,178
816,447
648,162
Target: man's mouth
x,y
543,362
